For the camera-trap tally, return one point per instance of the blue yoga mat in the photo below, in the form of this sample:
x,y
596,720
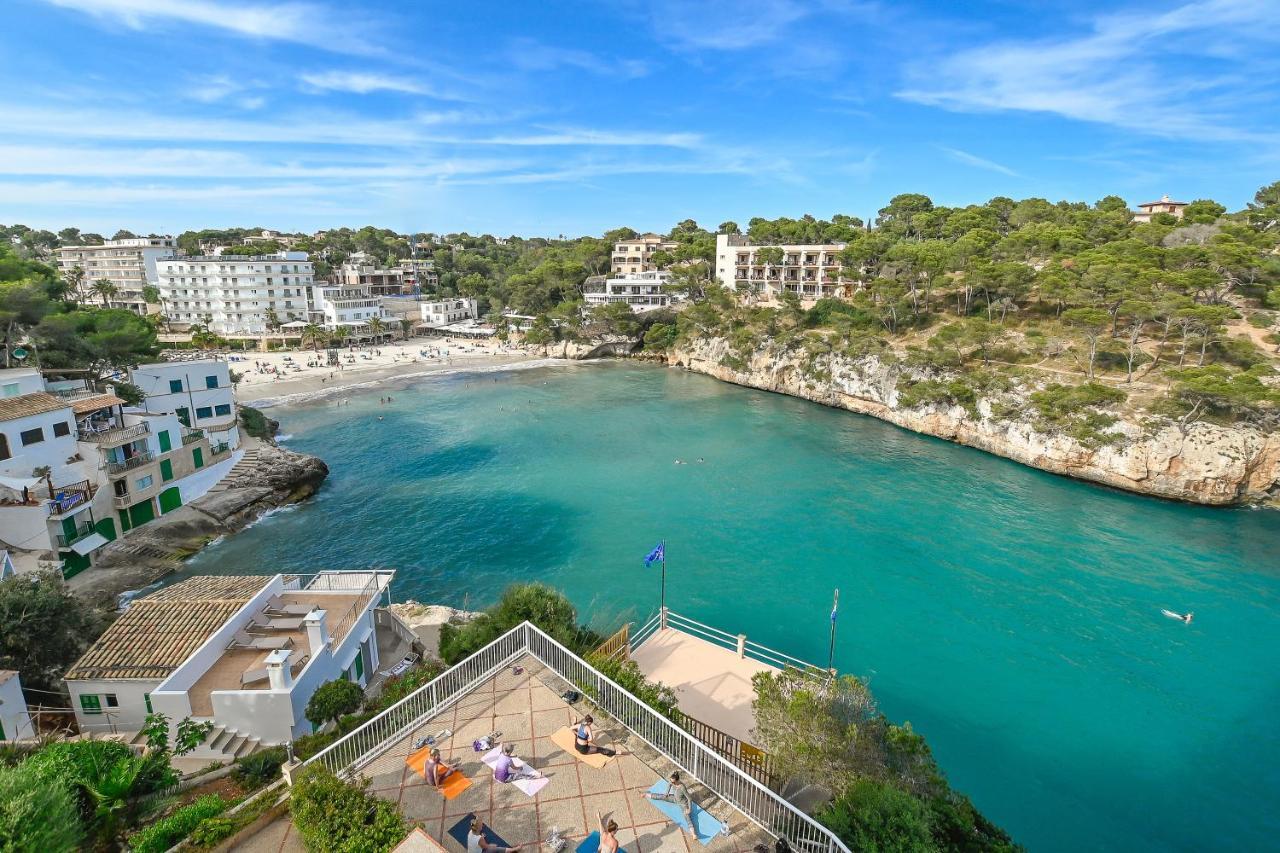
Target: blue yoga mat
x,y
458,832
704,825
591,844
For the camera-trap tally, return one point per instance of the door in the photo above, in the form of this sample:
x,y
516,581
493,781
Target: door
x,y
166,471
360,663
142,512
170,499
197,457
165,444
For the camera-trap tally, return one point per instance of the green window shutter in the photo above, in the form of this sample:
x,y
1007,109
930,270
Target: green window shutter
x,y
141,512
1,730
91,704
197,457
166,469
165,444
146,700
69,527
359,664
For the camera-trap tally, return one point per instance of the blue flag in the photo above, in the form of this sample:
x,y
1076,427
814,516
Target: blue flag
x,y
657,555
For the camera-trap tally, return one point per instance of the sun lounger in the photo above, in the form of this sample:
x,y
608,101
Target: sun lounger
x,y
290,623
243,640
253,676
405,662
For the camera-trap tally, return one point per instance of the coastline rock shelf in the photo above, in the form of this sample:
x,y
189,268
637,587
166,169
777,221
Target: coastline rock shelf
x,y
1204,463
268,477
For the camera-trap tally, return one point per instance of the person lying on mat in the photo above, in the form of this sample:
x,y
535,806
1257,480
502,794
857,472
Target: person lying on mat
x,y
582,737
477,843
437,770
678,793
608,833
509,767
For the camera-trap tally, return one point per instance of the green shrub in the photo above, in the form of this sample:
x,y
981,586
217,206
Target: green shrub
x,y
399,686
37,814
1074,410
627,675
214,831
308,745
935,392
876,816
87,764
335,817
660,337
260,768
332,700
166,832
538,603
257,424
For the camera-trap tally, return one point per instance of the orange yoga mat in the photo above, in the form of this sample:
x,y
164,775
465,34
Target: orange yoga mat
x,y
454,784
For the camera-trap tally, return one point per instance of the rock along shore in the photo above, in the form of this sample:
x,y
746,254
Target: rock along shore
x,y
268,477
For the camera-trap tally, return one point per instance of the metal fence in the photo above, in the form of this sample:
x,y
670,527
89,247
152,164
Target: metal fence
x,y
730,783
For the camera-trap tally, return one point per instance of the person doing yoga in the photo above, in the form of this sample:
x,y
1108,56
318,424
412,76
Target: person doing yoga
x,y
477,843
678,793
436,770
608,834
509,767
582,737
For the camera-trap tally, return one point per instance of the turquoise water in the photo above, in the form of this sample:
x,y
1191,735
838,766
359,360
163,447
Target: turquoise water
x,y
1012,616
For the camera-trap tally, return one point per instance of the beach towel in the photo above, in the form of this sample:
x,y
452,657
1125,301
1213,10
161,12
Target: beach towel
x,y
591,844
454,784
458,832
529,786
704,825
564,739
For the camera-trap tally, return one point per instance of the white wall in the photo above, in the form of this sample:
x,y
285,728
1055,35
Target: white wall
x,y
206,478
132,707
54,451
13,710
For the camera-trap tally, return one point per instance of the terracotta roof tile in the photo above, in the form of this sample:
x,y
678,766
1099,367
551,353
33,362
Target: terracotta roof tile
x,y
92,404
25,405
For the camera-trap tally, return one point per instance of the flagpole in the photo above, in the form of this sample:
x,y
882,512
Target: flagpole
x,y
662,603
831,651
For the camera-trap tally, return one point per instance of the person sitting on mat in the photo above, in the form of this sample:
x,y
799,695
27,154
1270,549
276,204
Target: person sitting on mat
x,y
509,768
582,736
608,833
477,843
437,771
678,793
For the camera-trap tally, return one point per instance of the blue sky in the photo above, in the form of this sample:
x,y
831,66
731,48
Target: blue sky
x,y
545,118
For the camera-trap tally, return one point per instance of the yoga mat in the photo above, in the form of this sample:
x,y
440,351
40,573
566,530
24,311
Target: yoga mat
x,y
458,832
454,784
591,844
704,825
564,739
528,786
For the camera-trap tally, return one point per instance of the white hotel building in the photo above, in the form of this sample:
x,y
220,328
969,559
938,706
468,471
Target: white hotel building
x,y
129,264
234,294
642,291
812,271
346,308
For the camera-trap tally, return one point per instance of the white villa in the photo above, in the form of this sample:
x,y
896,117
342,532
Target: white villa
x,y
79,467
643,291
345,308
242,652
810,270
445,312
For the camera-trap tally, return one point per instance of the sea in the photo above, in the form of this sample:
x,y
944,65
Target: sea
x,y
1012,616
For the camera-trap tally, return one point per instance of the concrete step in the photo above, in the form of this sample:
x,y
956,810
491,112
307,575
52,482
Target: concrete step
x,y
250,746
217,737
232,746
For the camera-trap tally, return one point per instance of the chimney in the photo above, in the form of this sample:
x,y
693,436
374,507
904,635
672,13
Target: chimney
x,y
317,631
278,671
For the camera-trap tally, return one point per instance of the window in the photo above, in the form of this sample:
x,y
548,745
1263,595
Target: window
x,y
4,447
175,386
204,412
61,429
91,704
12,389
145,482
112,702
224,409
211,382
31,436
146,700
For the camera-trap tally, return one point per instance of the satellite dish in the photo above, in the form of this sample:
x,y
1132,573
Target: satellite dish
x,y
19,353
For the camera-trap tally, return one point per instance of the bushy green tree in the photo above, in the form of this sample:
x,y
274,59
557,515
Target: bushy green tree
x,y
879,817
37,814
46,628
538,603
332,700
333,816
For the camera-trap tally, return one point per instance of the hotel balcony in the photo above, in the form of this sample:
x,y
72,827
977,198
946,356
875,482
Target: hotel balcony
x,y
115,436
68,500
135,461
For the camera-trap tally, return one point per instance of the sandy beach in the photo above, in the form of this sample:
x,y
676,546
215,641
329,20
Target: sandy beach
x,y
270,377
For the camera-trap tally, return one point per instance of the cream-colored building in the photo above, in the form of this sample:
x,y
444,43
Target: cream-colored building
x,y
130,265
635,256
1148,209
360,271
236,294
812,270
419,275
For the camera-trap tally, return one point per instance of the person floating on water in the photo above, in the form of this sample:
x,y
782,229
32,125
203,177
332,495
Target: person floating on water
x,y
1184,617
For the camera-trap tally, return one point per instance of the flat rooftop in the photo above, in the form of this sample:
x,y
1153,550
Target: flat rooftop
x,y
527,709
712,683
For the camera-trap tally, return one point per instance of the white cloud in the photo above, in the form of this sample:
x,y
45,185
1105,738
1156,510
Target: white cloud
x,y
528,54
213,88
362,82
1187,72
977,162
301,22
725,24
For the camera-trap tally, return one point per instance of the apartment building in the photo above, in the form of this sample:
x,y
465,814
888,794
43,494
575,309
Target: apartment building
x,y
812,271
130,265
643,291
345,308
244,653
1148,209
198,393
79,468
635,255
419,275
236,295
359,272
444,312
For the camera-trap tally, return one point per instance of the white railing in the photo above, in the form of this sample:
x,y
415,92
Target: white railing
x,y
736,643
766,808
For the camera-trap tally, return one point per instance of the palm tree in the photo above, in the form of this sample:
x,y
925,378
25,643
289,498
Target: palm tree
x,y
315,335
75,280
376,327
406,327
104,288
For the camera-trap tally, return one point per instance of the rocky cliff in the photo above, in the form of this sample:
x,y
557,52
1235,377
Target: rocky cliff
x,y
268,477
1205,463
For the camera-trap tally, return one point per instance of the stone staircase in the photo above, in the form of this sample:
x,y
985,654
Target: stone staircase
x,y
241,473
222,744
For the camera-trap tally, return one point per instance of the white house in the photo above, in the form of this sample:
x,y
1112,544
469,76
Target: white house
x,y
811,270
15,722
345,308
129,264
242,652
443,312
199,393
642,291
236,294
